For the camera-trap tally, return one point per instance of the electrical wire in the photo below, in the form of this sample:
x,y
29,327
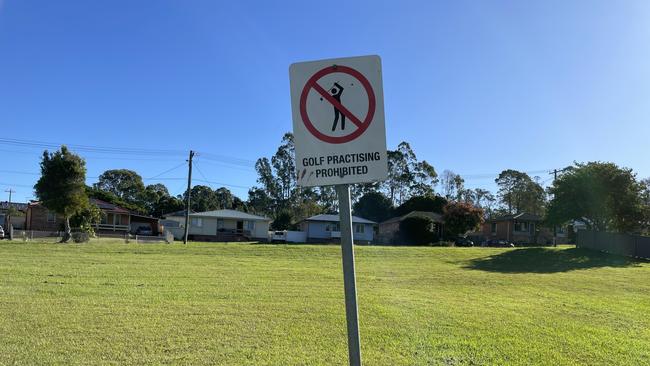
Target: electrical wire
x,y
166,171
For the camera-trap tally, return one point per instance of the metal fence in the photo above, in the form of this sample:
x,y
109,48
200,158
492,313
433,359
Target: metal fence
x,y
614,243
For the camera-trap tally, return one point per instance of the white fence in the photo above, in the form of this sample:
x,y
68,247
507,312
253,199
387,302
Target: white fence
x,y
288,236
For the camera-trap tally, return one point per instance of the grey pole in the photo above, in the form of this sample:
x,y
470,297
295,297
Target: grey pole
x,y
349,279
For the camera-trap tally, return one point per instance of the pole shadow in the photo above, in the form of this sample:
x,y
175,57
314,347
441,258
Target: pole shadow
x,y
543,260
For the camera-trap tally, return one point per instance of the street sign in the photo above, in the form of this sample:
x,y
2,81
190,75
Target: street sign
x,y
338,121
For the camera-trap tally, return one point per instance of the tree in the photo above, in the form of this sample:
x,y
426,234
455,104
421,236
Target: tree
x,y
328,200
484,199
86,218
125,184
278,177
645,198
157,201
519,193
109,197
259,202
401,166
429,203
452,185
61,187
374,206
461,218
225,199
417,230
203,198
283,221
602,195
425,179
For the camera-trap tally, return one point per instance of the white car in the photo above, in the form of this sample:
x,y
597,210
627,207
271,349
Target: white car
x,y
2,233
279,237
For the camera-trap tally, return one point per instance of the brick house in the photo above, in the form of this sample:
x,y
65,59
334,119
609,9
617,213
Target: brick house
x,y
523,228
389,229
39,218
115,219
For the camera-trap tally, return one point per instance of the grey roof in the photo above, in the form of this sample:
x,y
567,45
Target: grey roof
x,y
335,218
226,214
435,217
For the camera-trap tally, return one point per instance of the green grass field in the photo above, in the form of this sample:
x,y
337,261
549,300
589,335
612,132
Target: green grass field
x,y
249,304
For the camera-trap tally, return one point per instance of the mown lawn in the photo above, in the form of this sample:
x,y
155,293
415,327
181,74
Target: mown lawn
x,y
249,304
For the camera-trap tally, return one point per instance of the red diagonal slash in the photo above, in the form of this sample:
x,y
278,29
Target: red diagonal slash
x,y
336,104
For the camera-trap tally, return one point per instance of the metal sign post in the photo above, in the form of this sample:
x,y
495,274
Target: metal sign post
x,y
349,277
340,138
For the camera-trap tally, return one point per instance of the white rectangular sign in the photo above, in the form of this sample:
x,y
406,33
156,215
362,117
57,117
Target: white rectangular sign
x,y
338,121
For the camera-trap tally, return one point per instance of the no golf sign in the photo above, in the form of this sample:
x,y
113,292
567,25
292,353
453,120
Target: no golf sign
x,y
338,121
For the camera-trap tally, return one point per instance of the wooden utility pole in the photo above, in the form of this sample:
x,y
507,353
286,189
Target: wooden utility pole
x,y
187,208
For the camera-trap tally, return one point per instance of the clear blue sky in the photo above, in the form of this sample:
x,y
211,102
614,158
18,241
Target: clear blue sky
x,y
474,86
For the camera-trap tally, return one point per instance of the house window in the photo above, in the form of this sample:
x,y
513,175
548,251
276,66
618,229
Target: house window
x,y
51,216
197,222
250,225
117,220
219,224
493,228
332,227
521,227
359,228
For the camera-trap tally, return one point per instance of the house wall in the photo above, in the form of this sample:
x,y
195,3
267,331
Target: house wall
x,y
36,219
317,230
505,231
388,229
209,226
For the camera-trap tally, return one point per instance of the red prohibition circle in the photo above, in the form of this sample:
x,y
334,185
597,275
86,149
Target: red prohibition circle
x,y
362,126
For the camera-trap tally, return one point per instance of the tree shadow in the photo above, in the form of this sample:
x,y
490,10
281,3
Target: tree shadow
x,y
544,260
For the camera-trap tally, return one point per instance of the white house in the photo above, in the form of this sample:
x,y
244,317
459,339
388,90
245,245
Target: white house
x,y
326,228
220,225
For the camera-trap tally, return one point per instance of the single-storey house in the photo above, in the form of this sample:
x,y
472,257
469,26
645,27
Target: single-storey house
x,y
523,228
220,225
120,220
115,219
389,229
39,218
18,219
327,228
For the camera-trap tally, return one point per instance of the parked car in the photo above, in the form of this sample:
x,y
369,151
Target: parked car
x,y
2,233
279,237
463,242
499,243
143,230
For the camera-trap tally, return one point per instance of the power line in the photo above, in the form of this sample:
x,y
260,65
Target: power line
x,y
211,183
166,171
200,171
121,151
89,148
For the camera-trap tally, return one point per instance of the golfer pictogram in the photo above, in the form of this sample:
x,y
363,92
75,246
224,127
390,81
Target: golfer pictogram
x,y
333,96
336,91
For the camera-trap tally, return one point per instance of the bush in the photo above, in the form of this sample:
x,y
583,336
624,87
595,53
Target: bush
x,y
460,218
417,230
282,221
80,237
444,243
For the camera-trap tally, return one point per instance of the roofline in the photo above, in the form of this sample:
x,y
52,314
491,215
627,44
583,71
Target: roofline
x,y
202,214
369,222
